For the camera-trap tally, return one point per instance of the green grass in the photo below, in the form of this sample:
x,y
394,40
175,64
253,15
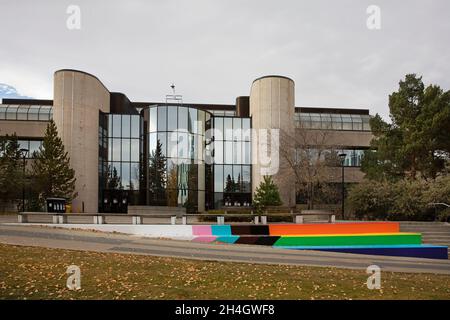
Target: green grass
x,y
39,273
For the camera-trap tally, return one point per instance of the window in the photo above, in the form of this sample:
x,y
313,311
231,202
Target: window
x,y
117,127
162,118
153,119
126,129
172,123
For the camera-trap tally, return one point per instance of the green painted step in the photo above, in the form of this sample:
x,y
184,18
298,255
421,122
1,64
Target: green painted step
x,y
350,240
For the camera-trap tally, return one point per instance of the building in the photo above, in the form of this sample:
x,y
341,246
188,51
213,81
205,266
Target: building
x,y
113,143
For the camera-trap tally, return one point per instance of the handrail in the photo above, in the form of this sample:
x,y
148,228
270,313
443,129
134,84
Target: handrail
x,y
439,203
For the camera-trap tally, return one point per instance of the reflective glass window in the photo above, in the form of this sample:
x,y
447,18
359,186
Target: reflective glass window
x,y
228,178
218,152
135,130
134,176
22,112
237,152
34,146
237,178
246,153
218,126
246,130
183,145
3,112
125,175
172,123
33,113
11,113
162,138
45,113
126,128
346,122
115,150
228,152
237,129
125,150
192,120
134,149
162,118
152,142
153,119
336,121
117,127
246,178
228,128
183,118
357,122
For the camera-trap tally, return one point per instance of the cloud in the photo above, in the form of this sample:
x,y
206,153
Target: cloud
x,y
213,50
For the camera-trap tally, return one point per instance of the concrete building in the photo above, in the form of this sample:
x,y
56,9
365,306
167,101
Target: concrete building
x,y
200,156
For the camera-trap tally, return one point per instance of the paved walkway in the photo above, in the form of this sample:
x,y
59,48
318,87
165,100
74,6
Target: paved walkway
x,y
49,237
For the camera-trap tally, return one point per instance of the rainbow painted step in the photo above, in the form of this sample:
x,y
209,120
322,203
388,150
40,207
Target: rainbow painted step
x,y
377,238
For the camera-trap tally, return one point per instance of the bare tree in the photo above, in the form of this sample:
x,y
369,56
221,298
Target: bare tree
x,y
311,158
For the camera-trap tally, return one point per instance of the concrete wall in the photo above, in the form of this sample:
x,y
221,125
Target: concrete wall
x,y
78,98
272,106
23,129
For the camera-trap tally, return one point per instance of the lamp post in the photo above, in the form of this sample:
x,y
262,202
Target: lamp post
x,y
24,156
342,157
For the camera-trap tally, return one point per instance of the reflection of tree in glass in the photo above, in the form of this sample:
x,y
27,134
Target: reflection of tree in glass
x,y
157,174
230,185
172,191
113,181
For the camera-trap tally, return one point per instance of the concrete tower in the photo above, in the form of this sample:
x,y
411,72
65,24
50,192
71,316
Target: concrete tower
x,y
78,98
272,106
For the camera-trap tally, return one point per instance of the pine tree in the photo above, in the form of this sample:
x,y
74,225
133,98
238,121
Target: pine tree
x,y
11,169
113,180
266,194
52,173
157,174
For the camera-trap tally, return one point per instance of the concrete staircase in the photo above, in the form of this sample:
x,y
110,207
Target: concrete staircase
x,y
437,233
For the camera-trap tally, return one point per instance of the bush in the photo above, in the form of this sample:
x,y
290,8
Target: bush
x,y
401,200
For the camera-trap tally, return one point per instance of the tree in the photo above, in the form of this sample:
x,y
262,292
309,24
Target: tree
x,y
11,169
157,175
266,194
52,174
417,141
312,159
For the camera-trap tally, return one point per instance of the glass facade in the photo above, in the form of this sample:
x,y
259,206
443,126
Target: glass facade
x,y
331,121
175,169
31,145
25,112
230,154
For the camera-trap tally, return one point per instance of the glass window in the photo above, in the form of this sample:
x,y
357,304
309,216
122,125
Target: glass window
x,y
162,138
218,126
117,127
172,144
201,119
357,122
228,128
22,112
125,150
305,120
237,152
134,178
162,118
134,150
246,130
11,113
135,130
126,175
336,121
183,145
246,153
183,118
237,178
152,143
45,113
366,122
218,152
192,120
110,149
115,150
246,179
346,122
316,121
153,119
3,112
126,129
237,129
24,144
326,121
228,178
34,147
172,118
228,152
33,113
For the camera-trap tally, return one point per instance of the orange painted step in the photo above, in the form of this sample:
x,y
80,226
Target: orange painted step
x,y
334,228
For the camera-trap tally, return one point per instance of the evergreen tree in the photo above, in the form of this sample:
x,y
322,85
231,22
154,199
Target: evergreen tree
x,y
266,194
229,184
11,169
417,141
157,174
52,173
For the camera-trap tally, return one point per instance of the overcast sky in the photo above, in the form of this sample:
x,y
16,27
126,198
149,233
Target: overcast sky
x,y
213,49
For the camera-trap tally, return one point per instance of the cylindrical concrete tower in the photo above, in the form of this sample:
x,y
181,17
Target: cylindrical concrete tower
x,y
78,98
272,106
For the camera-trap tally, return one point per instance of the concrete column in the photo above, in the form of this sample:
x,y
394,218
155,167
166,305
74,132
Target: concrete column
x,y
272,106
78,99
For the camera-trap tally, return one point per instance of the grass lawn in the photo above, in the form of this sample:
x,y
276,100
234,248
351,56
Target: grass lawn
x,y
39,273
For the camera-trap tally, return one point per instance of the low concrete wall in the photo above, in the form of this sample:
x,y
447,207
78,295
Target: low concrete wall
x,y
155,210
